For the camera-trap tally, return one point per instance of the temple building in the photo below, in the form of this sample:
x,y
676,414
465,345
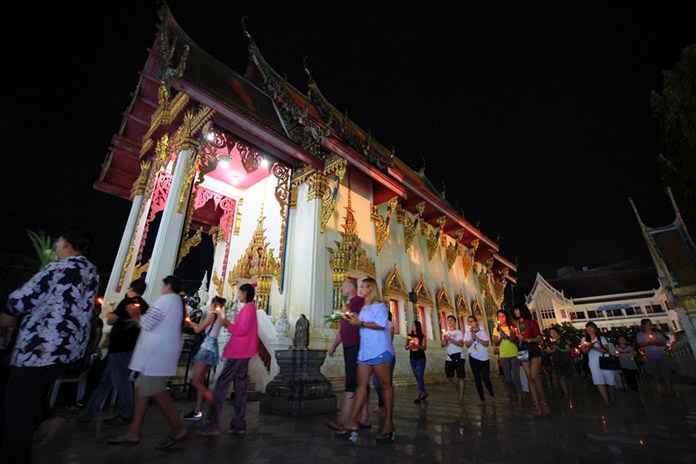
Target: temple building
x,y
292,196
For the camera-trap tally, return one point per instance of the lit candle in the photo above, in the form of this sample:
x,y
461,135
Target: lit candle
x,y
218,309
136,305
188,320
100,301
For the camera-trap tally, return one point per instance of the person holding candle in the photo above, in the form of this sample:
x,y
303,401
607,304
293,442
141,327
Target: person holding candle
x,y
242,346
416,344
595,345
505,339
349,337
116,375
561,355
206,356
653,343
476,341
156,357
376,355
453,340
629,368
529,337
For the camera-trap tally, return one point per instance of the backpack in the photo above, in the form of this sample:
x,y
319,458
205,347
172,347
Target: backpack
x,y
91,353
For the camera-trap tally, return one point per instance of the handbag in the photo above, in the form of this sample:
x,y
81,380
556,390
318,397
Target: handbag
x,y
523,355
609,362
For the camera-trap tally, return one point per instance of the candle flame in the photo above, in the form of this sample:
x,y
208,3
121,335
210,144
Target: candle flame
x,y
100,301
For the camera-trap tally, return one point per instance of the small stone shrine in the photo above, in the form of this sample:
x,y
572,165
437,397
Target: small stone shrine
x,y
299,389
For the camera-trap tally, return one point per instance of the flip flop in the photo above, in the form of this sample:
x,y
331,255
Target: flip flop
x,y
121,440
335,425
170,441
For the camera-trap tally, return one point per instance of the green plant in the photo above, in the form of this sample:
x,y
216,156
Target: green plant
x,y
43,245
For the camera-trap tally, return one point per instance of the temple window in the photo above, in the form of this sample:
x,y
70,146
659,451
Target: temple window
x,y
394,310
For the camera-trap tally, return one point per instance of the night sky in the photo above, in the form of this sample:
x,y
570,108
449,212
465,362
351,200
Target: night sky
x,y
535,115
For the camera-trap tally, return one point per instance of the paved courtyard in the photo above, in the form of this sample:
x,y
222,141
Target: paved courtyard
x,y
639,428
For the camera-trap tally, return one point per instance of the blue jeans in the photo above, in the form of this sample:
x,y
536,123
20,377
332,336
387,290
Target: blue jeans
x,y
378,389
116,375
418,368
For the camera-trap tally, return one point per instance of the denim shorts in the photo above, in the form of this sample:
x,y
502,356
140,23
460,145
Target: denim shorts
x,y
382,358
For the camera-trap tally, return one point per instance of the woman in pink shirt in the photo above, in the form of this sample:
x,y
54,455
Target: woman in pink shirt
x,y
243,345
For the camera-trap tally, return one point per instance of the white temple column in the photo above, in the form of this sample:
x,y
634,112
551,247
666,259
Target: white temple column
x,y
166,247
308,278
112,289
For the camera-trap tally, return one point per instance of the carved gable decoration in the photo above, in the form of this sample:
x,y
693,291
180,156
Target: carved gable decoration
x,y
477,311
443,299
461,306
394,285
422,294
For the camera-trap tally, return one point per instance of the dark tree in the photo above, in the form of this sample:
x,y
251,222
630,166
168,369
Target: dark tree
x,y
675,108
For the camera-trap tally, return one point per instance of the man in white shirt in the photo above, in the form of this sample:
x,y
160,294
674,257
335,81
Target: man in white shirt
x,y
453,339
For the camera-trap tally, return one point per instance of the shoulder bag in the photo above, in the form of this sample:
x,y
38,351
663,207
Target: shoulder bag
x,y
608,362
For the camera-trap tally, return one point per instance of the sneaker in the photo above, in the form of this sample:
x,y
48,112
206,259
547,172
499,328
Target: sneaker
x,y
117,420
194,416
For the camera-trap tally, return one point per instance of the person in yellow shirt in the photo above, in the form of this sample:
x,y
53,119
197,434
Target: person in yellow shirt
x,y
504,338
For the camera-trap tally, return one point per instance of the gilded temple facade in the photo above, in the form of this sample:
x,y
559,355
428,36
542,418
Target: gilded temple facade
x,y
292,196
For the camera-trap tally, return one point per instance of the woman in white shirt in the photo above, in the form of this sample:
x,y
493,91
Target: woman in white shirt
x,y
476,341
595,346
376,355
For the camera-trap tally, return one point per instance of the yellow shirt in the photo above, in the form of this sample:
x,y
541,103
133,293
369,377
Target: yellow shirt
x,y
506,347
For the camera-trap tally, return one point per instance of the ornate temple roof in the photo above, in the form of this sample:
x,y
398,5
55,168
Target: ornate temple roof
x,y
264,110
672,249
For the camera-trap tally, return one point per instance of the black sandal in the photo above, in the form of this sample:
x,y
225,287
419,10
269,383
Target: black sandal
x,y
384,438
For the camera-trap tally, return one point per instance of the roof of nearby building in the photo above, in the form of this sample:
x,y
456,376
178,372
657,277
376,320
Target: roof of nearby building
x,y
600,282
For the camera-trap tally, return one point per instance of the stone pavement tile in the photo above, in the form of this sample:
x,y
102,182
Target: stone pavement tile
x,y
639,428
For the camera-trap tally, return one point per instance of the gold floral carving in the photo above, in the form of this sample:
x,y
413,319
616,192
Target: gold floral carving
x,y
349,255
251,159
498,287
432,239
422,294
468,258
382,225
129,258
442,300
292,202
140,183
140,269
394,285
337,166
218,282
453,250
187,244
282,195
258,262
186,191
169,108
410,226
238,217
316,185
